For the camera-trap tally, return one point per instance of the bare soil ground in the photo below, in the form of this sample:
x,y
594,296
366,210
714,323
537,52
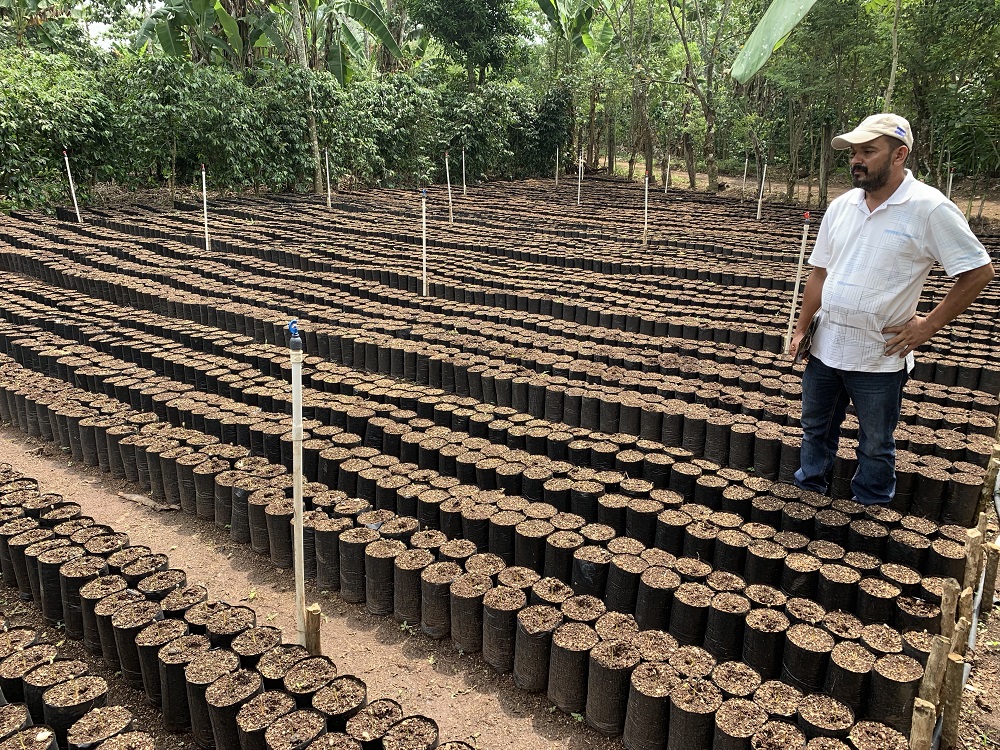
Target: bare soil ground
x,y
467,698
982,212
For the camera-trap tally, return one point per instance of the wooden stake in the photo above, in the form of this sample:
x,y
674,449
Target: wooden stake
x,y
949,606
937,662
989,585
960,638
922,729
973,551
952,699
990,482
314,621
965,600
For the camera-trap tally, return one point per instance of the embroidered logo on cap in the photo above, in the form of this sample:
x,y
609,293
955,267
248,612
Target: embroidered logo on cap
x,y
900,131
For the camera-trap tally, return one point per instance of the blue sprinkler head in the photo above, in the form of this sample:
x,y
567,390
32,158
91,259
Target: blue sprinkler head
x,y
293,328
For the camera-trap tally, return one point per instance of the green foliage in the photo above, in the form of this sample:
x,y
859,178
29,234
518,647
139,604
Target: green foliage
x,y
770,34
172,116
148,121
48,103
478,33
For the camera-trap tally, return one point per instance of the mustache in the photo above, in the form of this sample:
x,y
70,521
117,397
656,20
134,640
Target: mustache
x,y
859,168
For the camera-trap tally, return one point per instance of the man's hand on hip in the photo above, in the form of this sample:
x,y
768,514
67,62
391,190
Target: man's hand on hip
x,y
916,332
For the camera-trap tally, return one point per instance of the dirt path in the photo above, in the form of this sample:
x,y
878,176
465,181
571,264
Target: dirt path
x,y
467,698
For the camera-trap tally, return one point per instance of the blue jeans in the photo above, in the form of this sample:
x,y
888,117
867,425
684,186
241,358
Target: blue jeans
x,y
877,397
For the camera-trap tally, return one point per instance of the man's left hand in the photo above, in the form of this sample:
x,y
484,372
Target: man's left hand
x,y
916,332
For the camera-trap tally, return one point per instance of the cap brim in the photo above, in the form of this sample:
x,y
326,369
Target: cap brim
x,y
853,138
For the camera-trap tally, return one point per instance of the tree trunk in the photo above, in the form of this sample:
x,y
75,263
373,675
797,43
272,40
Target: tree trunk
x,y
711,165
794,145
689,160
612,145
824,164
812,166
648,144
592,130
470,74
300,51
895,60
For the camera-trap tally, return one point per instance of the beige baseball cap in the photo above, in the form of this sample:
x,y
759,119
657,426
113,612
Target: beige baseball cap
x,y
874,126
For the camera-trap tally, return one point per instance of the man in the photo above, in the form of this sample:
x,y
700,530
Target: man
x,y
874,250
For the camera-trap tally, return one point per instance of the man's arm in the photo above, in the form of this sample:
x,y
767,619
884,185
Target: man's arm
x,y
812,297
919,330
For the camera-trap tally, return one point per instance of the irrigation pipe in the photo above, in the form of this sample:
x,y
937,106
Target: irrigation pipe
x,y
423,224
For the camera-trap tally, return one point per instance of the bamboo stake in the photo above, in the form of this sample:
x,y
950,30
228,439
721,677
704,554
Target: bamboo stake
x,y
989,585
72,187
937,663
314,618
666,180
760,200
463,173
951,179
949,606
743,190
922,728
329,203
204,203
798,282
447,174
557,166
579,179
952,701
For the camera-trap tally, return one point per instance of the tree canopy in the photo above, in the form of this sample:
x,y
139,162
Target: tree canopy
x,y
143,94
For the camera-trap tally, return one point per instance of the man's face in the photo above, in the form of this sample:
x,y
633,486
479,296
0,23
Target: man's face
x,y
871,164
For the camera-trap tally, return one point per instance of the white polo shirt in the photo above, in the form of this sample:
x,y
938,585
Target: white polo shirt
x,y
877,263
